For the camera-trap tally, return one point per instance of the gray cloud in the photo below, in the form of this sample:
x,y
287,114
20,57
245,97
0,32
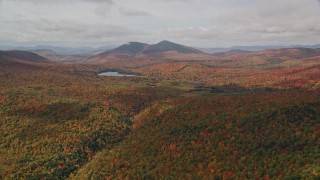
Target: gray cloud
x,y
111,11
133,12
63,1
194,22
66,31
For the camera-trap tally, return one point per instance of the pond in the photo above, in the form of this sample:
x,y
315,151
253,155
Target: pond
x,y
116,74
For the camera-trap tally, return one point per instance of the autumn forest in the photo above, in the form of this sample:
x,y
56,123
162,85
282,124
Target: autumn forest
x,y
185,114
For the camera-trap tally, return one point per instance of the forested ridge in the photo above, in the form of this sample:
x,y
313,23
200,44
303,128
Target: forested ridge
x,y
219,138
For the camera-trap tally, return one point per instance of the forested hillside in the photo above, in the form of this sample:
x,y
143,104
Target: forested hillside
x,y
265,135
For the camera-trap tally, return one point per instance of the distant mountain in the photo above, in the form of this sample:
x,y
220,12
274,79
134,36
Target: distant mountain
x,y
162,46
255,48
291,53
132,50
138,48
233,51
44,52
123,52
167,46
60,50
52,55
214,50
269,58
262,48
23,56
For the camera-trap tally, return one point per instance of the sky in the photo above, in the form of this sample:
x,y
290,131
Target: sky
x,y
198,23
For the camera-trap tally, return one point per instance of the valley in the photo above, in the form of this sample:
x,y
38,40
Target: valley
x,y
187,114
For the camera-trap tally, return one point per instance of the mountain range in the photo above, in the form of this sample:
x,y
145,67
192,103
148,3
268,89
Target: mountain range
x,y
137,48
255,48
143,54
93,51
60,50
162,49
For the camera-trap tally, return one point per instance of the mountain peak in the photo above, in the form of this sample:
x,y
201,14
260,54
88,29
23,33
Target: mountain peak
x,y
165,42
166,46
134,43
132,47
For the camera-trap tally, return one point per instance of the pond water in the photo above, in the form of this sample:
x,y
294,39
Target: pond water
x,y
116,74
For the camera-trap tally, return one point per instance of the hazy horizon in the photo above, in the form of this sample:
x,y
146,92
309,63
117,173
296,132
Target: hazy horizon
x,y
111,46
197,23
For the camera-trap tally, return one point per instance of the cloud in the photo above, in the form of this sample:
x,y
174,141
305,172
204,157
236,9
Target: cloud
x,y
66,31
194,22
174,0
109,11
282,23
61,1
133,12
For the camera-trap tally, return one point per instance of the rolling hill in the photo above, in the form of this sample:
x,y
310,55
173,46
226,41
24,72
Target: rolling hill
x,y
276,58
255,48
206,138
23,56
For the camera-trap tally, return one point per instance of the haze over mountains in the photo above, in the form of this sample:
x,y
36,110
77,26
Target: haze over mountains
x,y
60,50
92,51
255,48
137,52
140,53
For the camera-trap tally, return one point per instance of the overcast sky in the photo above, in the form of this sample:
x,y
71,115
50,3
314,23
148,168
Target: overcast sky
x,y
201,23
